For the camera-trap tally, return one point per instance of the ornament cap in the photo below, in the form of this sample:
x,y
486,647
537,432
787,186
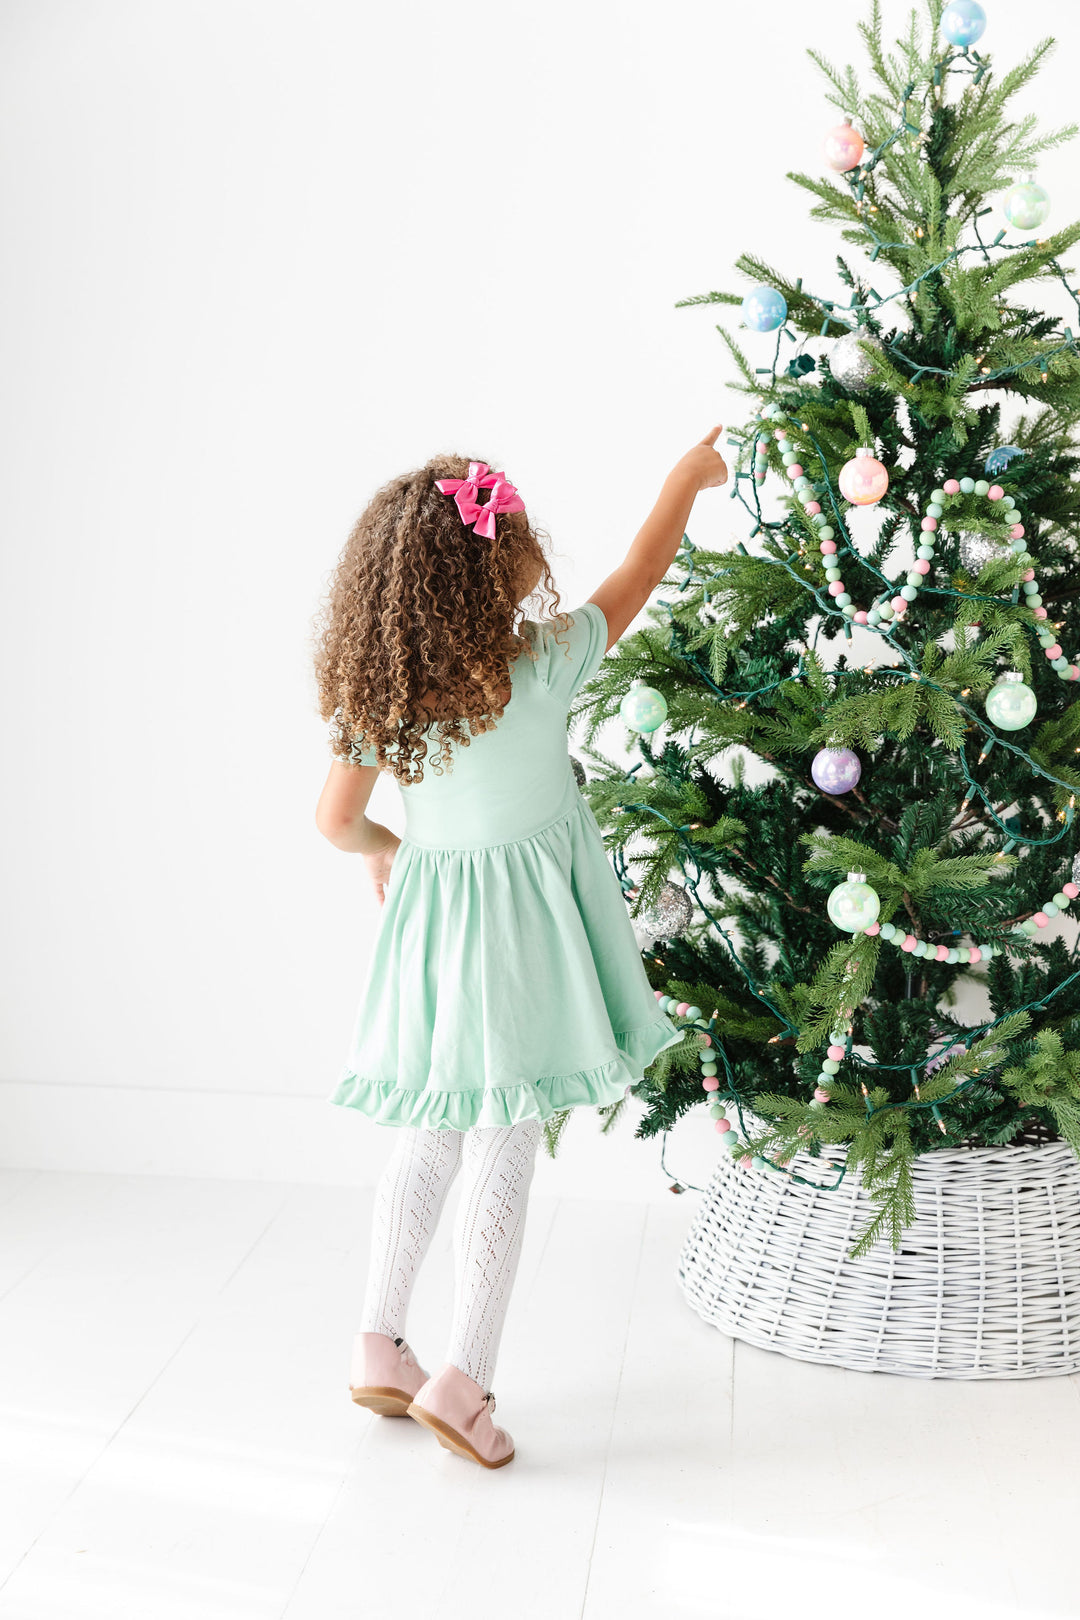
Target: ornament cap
x,y
865,450
1012,675
856,877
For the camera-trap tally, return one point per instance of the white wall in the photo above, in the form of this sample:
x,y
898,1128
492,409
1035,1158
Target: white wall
x,y
260,258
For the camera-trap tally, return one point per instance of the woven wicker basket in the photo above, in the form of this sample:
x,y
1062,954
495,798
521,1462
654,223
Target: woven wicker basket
x,y
986,1283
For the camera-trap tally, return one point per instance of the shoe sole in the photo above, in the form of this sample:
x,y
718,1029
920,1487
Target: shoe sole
x,y
386,1402
448,1437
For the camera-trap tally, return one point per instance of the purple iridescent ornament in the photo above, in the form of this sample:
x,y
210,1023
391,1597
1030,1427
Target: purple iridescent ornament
x,y
836,770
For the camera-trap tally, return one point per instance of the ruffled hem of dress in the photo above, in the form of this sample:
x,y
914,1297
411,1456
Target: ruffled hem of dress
x,y
389,1104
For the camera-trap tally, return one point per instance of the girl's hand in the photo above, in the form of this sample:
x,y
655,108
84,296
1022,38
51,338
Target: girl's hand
x,y
378,864
703,463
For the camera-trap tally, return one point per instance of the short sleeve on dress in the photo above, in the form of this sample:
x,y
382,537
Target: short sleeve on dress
x,y
568,658
360,756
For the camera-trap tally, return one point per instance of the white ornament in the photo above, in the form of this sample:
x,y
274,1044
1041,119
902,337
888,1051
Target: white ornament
x,y
849,365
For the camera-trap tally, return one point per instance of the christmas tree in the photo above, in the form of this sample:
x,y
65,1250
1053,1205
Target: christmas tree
x,y
859,814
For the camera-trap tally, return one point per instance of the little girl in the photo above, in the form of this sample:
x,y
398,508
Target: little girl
x,y
505,981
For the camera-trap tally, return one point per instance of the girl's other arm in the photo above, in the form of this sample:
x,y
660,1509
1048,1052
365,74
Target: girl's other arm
x,y
340,817
625,591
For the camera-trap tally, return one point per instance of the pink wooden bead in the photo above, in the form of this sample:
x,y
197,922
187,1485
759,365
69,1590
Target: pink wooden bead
x,y
820,1095
795,470
1040,919
1071,890
1016,532
745,1161
974,955
920,566
836,588
874,928
836,1053
1029,574
1039,612
910,942
812,508
658,994
723,1125
682,1009
951,486
704,1040
1053,651
862,618
929,524
828,547
942,953
899,604
1074,672
710,1083
995,492
803,1130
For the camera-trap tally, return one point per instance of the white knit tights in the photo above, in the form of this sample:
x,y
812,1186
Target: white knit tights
x,y
497,1165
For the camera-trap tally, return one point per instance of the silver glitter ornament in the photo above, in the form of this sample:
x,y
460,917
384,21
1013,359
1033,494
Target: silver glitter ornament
x,y
1076,870
579,771
668,916
976,550
849,365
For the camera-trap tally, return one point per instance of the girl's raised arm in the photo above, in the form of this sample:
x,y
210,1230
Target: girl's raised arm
x,y
625,592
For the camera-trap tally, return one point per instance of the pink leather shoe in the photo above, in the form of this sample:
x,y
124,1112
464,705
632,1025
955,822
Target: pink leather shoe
x,y
458,1412
385,1374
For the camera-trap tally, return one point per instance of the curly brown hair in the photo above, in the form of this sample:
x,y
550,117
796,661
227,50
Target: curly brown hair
x,y
418,626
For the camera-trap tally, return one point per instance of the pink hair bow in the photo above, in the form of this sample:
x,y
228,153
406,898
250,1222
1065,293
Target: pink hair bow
x,y
503,498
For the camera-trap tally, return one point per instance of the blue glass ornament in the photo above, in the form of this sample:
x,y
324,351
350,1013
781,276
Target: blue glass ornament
x,y
854,905
1010,704
1026,205
963,23
764,309
643,708
999,459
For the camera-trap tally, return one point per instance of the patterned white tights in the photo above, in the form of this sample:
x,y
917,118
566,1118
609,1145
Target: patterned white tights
x,y
497,1168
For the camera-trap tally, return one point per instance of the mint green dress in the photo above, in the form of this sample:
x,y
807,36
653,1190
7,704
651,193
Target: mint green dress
x,y
504,980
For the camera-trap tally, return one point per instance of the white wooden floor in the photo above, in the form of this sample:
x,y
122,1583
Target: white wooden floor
x,y
176,1436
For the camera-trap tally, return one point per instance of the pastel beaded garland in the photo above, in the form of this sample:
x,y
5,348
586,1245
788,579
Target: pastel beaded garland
x,y
1010,702
854,905
764,309
643,708
844,147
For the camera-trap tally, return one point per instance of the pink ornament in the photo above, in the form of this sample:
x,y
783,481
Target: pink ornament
x,y
951,486
929,524
995,492
812,508
1016,532
843,148
910,942
710,1083
1071,889
942,953
836,1053
1040,919
920,566
828,547
863,480
723,1125
820,1095
862,617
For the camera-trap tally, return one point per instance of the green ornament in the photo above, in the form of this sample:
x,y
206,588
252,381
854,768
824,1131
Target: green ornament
x,y
1010,704
854,905
643,708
